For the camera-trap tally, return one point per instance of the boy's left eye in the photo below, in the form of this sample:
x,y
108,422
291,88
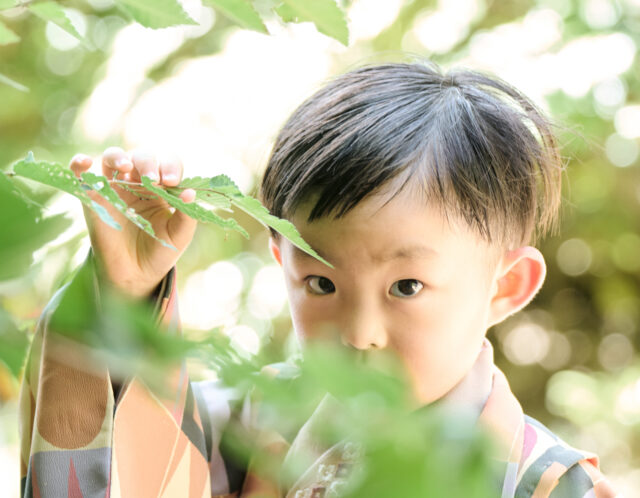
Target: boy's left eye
x,y
406,288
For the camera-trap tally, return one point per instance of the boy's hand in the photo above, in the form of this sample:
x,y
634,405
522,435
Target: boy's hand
x,y
129,259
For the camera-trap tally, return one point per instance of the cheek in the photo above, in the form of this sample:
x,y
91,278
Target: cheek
x,y
308,317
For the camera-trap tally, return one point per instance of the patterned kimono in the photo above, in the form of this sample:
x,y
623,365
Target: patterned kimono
x,y
84,436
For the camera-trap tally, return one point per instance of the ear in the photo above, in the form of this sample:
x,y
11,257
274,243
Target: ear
x,y
519,277
274,247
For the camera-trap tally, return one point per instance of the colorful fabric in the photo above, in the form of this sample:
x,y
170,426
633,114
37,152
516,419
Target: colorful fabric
x,y
82,438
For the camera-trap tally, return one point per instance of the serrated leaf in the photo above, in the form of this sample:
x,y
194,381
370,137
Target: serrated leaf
x,y
12,83
325,14
100,184
239,11
7,36
156,13
194,210
53,12
56,176
203,191
255,209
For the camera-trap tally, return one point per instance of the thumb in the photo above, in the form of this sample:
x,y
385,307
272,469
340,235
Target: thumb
x,y
181,227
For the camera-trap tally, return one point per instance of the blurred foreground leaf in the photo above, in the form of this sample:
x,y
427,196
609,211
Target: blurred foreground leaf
x,y
53,12
7,36
7,4
156,13
241,12
325,14
23,230
13,344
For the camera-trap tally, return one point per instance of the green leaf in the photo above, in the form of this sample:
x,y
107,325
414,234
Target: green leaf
x,y
53,12
194,210
23,230
254,208
100,184
13,344
7,36
56,176
12,83
325,14
156,13
241,12
203,193
7,185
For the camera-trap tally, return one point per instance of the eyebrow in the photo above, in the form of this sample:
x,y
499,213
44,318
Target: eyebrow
x,y
410,252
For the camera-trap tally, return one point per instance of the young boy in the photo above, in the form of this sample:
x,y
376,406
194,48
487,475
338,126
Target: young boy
x,y
423,190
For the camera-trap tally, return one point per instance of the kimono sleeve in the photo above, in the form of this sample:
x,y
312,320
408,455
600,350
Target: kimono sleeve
x,y
67,404
583,479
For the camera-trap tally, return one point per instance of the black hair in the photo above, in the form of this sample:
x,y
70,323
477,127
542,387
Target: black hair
x,y
470,141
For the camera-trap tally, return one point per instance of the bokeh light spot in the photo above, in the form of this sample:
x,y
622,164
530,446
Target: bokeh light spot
x,y
574,257
268,293
621,151
526,344
615,352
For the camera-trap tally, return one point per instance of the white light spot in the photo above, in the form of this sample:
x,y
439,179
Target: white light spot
x,y
268,293
367,18
621,151
440,30
211,297
615,351
599,14
627,121
573,395
559,352
628,404
58,38
244,338
610,93
526,344
574,257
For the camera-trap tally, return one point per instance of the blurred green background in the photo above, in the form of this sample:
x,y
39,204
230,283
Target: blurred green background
x,y
215,95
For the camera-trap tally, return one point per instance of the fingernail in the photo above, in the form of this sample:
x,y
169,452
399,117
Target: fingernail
x,y
122,162
169,178
152,176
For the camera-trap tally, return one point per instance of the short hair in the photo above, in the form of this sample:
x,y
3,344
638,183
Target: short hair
x,y
471,142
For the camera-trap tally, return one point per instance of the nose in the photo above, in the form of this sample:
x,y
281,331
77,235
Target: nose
x,y
364,330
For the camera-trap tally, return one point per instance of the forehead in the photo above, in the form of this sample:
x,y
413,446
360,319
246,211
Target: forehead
x,y
390,226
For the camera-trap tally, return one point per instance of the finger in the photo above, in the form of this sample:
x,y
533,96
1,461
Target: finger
x,y
170,171
144,164
80,163
115,160
188,195
181,228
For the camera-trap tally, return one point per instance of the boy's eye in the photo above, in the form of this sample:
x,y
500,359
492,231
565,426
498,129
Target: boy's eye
x,y
320,285
406,288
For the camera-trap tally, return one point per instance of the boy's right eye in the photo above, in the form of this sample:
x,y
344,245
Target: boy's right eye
x,y
320,285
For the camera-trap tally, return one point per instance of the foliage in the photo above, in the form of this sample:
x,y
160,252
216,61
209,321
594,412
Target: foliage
x,y
583,310
210,190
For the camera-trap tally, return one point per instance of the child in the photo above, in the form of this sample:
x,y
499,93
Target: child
x,y
423,190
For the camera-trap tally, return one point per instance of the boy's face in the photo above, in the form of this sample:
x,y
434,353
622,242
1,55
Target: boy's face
x,y
405,280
